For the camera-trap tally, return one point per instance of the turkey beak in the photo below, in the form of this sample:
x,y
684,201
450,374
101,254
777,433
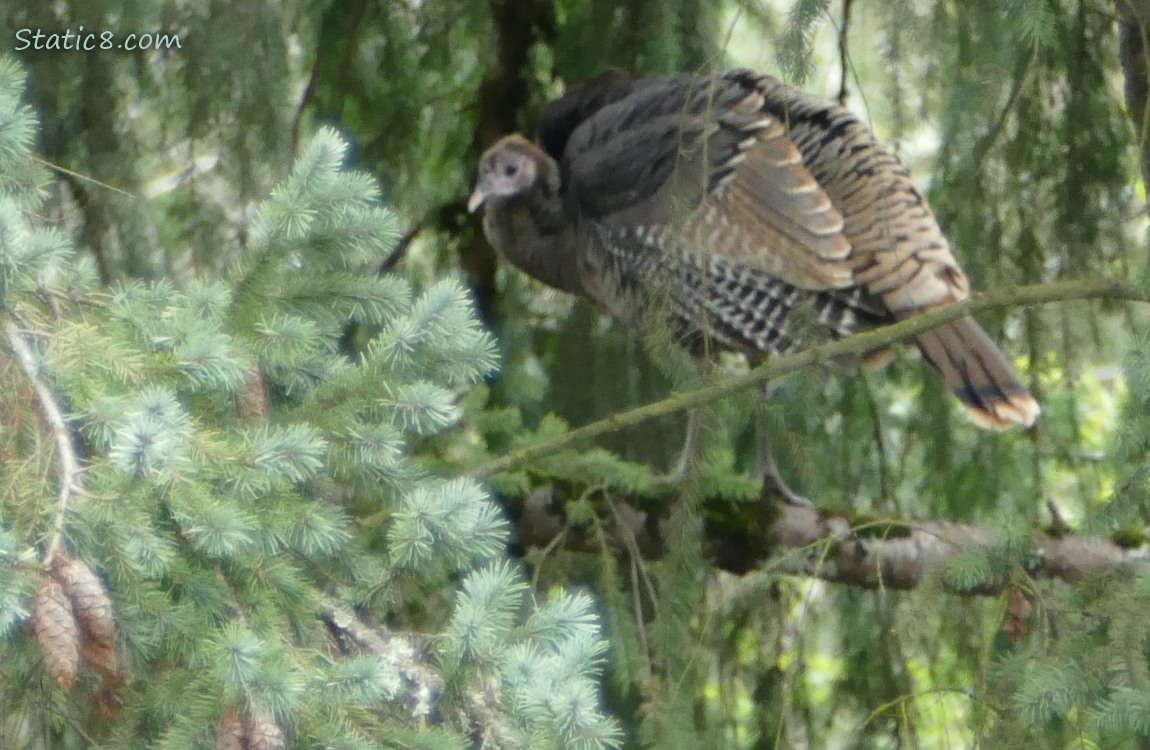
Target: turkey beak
x,y
476,200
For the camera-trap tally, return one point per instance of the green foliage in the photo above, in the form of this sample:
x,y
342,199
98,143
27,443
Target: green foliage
x,y
1036,20
546,670
795,50
240,471
1089,677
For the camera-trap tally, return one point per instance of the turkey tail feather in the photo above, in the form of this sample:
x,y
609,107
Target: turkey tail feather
x,y
979,375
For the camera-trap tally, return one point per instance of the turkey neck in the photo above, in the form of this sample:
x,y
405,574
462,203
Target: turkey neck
x,y
530,232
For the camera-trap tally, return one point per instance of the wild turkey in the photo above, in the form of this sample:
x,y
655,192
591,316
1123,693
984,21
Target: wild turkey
x,y
726,204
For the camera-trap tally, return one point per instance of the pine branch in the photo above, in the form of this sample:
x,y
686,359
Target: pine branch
x,y
423,685
402,652
876,554
70,484
852,346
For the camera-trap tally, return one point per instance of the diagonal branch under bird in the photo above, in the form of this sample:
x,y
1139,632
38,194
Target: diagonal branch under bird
x,y
824,354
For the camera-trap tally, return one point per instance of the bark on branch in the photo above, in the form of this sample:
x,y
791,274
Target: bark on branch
x,y
1133,53
904,558
53,414
401,652
891,554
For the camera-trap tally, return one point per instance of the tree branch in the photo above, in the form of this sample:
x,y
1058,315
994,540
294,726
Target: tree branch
x,y
400,651
423,685
70,484
904,558
883,554
1133,52
350,25
844,54
983,146
856,345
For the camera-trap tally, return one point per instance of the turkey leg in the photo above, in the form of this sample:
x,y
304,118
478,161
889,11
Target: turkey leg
x,y
766,468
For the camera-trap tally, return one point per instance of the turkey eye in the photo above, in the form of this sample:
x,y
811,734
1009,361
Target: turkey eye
x,y
510,170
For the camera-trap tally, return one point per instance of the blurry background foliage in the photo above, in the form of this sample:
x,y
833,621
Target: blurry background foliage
x,y
1013,118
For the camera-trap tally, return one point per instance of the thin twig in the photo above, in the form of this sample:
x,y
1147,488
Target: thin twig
x,y
1058,525
70,485
844,53
983,145
856,345
399,251
884,480
350,35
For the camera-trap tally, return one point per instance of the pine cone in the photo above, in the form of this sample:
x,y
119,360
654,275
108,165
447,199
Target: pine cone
x,y
90,601
57,632
264,733
102,658
252,398
232,734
